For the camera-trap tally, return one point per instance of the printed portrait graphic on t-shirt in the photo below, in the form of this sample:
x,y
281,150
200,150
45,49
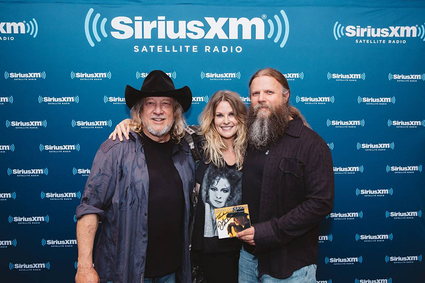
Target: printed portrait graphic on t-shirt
x,y
220,188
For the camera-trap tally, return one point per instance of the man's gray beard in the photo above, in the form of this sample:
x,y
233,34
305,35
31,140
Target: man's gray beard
x,y
165,130
264,131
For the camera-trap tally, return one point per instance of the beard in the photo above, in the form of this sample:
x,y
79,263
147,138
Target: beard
x,y
158,133
266,129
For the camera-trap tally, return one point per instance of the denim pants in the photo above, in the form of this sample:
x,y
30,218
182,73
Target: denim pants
x,y
170,278
248,272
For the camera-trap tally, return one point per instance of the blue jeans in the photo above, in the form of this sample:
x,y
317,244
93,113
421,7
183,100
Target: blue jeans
x,y
170,278
248,272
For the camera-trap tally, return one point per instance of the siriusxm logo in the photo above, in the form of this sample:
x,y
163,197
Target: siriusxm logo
x,y
91,124
410,78
27,172
345,215
379,35
8,243
347,124
60,196
374,238
389,280
80,171
24,125
29,266
376,100
28,220
404,169
343,260
403,259
294,76
7,147
346,77
59,148
6,99
8,30
6,196
65,100
375,146
24,76
374,192
349,170
403,215
325,238
200,99
68,243
114,100
221,76
406,124
315,100
90,76
159,27
142,75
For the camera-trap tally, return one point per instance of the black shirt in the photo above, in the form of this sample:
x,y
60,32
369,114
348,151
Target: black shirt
x,y
165,211
252,181
204,239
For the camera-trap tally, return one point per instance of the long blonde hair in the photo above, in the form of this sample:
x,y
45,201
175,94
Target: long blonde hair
x,y
177,130
214,145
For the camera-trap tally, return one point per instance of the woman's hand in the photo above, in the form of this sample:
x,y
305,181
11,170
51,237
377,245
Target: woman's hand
x,y
123,128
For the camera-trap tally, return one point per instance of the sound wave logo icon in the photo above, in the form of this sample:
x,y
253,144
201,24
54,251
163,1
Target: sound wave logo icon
x,y
279,30
338,31
93,26
32,28
421,32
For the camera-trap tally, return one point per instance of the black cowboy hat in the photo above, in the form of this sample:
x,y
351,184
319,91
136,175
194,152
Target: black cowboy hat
x,y
157,83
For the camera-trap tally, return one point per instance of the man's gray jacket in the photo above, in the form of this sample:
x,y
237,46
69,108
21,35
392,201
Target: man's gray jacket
x,y
117,191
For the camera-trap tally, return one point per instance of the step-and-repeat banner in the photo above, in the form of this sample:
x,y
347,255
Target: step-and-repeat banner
x,y
356,73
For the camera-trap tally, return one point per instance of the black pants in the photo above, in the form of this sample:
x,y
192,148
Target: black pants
x,y
219,267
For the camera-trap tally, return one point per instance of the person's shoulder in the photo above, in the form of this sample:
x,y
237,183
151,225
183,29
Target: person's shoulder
x,y
109,144
310,136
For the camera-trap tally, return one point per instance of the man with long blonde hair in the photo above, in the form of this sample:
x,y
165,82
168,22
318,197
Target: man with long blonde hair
x,y
288,184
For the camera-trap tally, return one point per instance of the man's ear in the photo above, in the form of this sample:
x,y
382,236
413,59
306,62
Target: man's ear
x,y
286,97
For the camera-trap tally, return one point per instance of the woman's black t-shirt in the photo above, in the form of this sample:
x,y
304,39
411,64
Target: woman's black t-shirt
x,y
219,187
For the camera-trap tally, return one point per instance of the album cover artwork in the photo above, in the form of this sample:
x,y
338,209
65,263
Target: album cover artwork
x,y
231,220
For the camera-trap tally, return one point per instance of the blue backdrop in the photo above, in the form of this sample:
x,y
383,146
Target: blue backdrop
x,y
356,72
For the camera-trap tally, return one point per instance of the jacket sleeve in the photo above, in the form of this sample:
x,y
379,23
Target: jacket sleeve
x,y
316,174
100,185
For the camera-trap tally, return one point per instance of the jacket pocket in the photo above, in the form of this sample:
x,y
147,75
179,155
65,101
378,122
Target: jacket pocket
x,y
292,166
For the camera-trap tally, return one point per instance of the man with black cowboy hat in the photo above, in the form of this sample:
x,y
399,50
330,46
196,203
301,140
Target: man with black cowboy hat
x,y
139,190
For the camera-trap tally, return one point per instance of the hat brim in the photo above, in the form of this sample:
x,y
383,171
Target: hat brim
x,y
182,95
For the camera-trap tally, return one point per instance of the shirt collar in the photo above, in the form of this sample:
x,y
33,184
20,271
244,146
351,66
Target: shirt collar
x,y
295,127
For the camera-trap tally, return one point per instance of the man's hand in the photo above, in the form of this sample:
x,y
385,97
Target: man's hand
x,y
247,236
86,275
123,128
